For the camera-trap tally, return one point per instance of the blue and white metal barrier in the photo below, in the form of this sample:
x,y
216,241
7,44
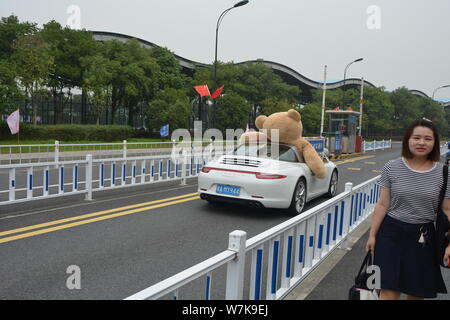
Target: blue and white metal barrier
x,y
376,145
30,180
153,169
294,249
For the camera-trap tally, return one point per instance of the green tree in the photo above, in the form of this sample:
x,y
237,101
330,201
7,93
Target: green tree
x,y
169,75
272,105
406,110
34,63
170,106
68,47
97,83
10,92
134,76
311,116
253,81
378,112
231,112
12,29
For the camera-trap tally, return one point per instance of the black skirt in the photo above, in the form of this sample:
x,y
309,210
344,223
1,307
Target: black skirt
x,y
406,265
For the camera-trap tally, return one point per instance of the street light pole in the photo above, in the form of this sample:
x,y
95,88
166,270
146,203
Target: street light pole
x,y
446,86
345,74
222,15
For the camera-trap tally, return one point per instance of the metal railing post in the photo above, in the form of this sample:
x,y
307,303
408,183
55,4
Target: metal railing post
x,y
183,171
124,148
89,177
235,268
348,211
56,152
12,184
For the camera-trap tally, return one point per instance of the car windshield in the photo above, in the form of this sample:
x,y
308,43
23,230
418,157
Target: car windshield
x,y
274,151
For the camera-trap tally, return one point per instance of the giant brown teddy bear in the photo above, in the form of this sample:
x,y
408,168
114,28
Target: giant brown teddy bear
x,y
290,132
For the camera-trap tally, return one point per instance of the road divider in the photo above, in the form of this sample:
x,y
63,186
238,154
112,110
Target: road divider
x,y
99,216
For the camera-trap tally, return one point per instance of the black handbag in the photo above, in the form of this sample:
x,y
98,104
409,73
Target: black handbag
x,y
442,224
360,291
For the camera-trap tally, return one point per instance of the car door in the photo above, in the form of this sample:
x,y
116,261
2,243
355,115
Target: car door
x,y
313,184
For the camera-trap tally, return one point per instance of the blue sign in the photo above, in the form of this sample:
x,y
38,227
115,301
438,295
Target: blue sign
x,y
318,144
164,131
337,145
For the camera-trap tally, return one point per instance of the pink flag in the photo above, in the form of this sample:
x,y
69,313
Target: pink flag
x,y
13,122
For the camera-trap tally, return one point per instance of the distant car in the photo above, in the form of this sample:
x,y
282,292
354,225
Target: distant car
x,y
258,176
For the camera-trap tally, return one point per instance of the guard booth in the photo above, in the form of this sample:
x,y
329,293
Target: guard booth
x,y
343,130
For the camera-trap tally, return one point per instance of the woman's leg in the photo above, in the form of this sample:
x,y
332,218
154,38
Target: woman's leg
x,y
389,295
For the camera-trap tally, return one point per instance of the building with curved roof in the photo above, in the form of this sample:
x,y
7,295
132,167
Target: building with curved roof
x,y
288,74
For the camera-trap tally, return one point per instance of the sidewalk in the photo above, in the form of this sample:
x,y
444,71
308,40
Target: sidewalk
x,y
334,277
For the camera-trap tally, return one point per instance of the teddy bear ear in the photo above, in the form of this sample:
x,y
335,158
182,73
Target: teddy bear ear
x,y
294,114
260,121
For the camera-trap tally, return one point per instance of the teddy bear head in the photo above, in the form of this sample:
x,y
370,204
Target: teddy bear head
x,y
288,123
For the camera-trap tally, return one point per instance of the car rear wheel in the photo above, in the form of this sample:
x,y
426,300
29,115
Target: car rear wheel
x,y
332,189
298,198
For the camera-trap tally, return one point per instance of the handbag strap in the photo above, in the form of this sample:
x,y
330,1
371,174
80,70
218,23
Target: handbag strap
x,y
367,262
444,186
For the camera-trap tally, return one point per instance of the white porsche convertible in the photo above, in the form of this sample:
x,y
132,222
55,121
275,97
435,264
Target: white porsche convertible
x,y
269,175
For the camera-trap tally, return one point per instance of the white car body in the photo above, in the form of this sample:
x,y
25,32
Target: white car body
x,y
273,190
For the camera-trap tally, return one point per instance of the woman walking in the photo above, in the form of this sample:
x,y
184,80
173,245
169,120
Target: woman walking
x,y
402,235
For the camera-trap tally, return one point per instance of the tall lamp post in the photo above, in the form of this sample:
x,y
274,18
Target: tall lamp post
x,y
345,74
219,21
446,86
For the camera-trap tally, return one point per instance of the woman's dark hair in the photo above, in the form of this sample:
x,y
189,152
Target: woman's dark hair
x,y
435,154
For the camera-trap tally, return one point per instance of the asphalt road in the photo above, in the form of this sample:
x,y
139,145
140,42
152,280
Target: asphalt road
x,y
120,255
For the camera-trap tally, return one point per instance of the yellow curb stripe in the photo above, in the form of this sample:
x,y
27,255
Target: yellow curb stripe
x,y
79,223
352,160
89,215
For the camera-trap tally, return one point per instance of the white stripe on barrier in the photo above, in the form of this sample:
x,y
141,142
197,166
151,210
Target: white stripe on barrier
x,y
12,184
46,179
30,183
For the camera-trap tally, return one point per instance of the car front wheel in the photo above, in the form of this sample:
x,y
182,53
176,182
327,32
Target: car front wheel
x,y
332,189
298,198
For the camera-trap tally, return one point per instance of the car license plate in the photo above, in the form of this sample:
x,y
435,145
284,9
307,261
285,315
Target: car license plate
x,y
228,190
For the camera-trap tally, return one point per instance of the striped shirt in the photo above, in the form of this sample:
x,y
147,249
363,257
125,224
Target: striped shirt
x,y
414,194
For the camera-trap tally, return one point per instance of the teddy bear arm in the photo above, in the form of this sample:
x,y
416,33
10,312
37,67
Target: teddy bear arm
x,y
314,161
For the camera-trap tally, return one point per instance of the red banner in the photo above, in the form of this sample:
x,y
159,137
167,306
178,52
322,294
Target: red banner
x,y
217,93
202,90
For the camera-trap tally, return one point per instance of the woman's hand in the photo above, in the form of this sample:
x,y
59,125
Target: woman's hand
x,y
370,246
447,256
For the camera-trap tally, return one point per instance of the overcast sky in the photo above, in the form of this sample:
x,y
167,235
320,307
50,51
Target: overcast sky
x,y
403,42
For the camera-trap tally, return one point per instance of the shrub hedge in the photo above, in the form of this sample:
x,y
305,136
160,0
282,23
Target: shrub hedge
x,y
66,132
